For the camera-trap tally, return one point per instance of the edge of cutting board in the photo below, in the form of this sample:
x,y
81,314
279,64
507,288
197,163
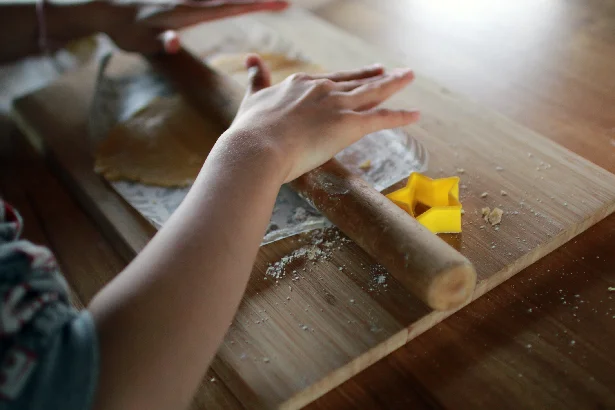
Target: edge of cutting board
x,y
373,355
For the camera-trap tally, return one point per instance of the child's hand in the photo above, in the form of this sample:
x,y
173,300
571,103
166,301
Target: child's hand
x,y
307,119
144,26
151,33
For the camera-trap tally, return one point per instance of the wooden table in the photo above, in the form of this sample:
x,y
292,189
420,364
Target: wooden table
x,y
544,338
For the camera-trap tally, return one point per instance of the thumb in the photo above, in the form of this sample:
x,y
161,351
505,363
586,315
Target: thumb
x,y
259,74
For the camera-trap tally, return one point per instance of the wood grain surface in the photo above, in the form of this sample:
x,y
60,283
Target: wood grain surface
x,y
473,351
295,340
558,81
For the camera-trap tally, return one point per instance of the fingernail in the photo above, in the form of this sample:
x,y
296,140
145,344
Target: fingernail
x,y
402,72
170,42
375,66
252,71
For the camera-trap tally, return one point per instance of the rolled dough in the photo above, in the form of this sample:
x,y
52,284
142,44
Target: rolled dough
x,y
166,142
163,144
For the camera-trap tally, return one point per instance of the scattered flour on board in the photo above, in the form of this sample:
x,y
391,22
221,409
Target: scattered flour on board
x,y
278,269
322,242
320,246
378,278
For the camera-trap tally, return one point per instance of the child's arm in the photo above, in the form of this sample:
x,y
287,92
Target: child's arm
x,y
162,319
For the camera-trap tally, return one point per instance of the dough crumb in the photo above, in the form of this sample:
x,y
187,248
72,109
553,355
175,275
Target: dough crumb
x,y
485,213
460,170
463,212
365,165
484,195
503,193
498,168
495,216
266,359
611,289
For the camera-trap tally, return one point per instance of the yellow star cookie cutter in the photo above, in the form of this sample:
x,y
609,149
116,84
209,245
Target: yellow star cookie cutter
x,y
440,196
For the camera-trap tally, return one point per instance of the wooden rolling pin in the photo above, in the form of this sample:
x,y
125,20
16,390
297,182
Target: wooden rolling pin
x,y
422,262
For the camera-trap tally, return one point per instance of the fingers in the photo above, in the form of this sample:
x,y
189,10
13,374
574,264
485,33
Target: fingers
x,y
360,73
378,119
374,93
351,85
189,13
260,76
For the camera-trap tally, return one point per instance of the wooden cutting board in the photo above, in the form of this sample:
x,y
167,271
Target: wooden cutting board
x,y
293,341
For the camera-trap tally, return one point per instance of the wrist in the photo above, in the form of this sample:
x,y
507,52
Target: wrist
x,y
252,150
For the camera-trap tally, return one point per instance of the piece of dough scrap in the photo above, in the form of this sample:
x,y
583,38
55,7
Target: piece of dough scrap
x,y
166,142
492,216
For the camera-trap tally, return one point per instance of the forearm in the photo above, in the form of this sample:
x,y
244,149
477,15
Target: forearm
x,y
169,310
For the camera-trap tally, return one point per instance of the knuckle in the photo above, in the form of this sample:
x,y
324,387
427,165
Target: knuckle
x,y
299,77
324,84
364,89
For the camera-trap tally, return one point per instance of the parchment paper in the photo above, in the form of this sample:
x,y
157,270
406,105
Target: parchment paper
x,y
393,154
